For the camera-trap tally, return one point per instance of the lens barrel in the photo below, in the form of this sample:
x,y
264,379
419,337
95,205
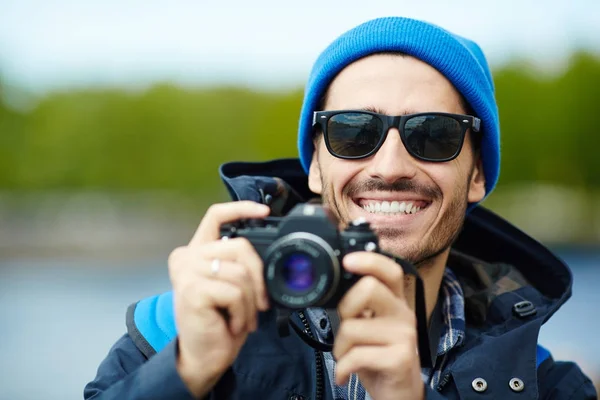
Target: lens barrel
x,y
301,270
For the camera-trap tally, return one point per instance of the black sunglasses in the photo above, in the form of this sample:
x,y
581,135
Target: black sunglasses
x,y
432,136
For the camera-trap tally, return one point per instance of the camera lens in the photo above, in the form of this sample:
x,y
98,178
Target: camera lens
x,y
301,270
298,272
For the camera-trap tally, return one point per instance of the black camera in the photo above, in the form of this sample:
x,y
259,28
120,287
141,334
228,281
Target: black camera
x,y
302,254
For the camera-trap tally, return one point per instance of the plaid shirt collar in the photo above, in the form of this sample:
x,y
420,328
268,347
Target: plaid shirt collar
x,y
453,330
453,311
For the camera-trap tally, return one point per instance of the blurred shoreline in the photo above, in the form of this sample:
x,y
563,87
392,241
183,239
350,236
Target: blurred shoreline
x,y
95,224
138,225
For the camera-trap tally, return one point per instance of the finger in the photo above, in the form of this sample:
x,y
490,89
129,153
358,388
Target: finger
x,y
378,359
240,250
379,331
369,294
379,266
199,258
191,276
237,275
224,295
219,214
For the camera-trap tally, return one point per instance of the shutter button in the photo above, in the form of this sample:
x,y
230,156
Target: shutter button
x,y
516,385
479,385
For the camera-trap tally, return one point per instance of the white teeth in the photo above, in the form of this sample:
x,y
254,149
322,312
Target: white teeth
x,y
385,206
394,207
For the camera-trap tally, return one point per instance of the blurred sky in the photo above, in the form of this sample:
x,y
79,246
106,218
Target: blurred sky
x,y
50,44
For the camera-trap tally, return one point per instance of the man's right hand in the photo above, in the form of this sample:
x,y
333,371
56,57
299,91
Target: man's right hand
x,y
218,288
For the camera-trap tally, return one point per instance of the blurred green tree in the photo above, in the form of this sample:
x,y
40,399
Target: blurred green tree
x,y
174,138
549,124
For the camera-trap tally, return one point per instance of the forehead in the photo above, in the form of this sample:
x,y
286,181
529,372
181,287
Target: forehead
x,y
394,83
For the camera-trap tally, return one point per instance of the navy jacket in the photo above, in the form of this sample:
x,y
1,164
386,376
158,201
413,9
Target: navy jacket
x,y
512,285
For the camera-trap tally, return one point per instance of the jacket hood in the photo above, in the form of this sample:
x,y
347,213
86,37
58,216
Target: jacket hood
x,y
504,272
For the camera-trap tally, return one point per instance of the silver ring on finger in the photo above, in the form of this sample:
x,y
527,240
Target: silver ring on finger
x,y
215,266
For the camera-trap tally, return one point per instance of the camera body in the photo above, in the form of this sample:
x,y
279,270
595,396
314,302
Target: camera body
x,y
302,254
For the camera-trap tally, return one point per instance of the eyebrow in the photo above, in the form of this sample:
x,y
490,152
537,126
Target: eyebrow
x,y
380,111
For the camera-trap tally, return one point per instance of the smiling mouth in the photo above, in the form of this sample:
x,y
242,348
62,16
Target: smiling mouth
x,y
392,207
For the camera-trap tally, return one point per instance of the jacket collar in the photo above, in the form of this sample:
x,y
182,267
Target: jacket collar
x,y
498,265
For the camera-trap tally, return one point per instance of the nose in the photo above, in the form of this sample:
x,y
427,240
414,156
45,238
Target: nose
x,y
392,162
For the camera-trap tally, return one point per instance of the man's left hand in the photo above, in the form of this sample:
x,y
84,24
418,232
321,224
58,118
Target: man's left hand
x,y
377,338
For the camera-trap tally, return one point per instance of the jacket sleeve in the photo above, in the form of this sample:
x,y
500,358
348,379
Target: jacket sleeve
x,y
125,373
564,380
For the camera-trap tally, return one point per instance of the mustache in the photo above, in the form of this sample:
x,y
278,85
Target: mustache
x,y
401,185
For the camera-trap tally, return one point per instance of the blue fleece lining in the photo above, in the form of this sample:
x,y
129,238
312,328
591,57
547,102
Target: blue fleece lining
x,y
154,318
541,355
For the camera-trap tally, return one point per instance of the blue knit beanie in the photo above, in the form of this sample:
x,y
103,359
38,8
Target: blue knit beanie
x,y
460,60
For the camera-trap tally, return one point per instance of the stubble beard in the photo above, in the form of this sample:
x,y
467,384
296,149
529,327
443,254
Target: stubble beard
x,y
420,253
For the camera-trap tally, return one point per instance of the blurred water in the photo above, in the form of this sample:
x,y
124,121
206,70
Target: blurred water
x,y
60,317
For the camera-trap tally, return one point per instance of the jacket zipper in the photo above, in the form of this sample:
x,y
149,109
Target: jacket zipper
x,y
443,381
318,358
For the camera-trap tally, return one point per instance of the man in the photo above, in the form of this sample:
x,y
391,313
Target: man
x,y
399,126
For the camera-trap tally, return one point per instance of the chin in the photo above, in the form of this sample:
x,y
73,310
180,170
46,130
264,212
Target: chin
x,y
399,245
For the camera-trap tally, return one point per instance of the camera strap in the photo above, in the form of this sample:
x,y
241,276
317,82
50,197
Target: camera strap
x,y
284,322
420,310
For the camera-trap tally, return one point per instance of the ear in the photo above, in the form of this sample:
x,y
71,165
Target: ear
x,y
477,183
314,174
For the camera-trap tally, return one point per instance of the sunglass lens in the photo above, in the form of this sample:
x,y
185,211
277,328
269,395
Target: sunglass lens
x,y
353,134
433,137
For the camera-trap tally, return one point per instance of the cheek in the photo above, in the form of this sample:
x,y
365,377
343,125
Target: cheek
x,y
451,179
337,173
